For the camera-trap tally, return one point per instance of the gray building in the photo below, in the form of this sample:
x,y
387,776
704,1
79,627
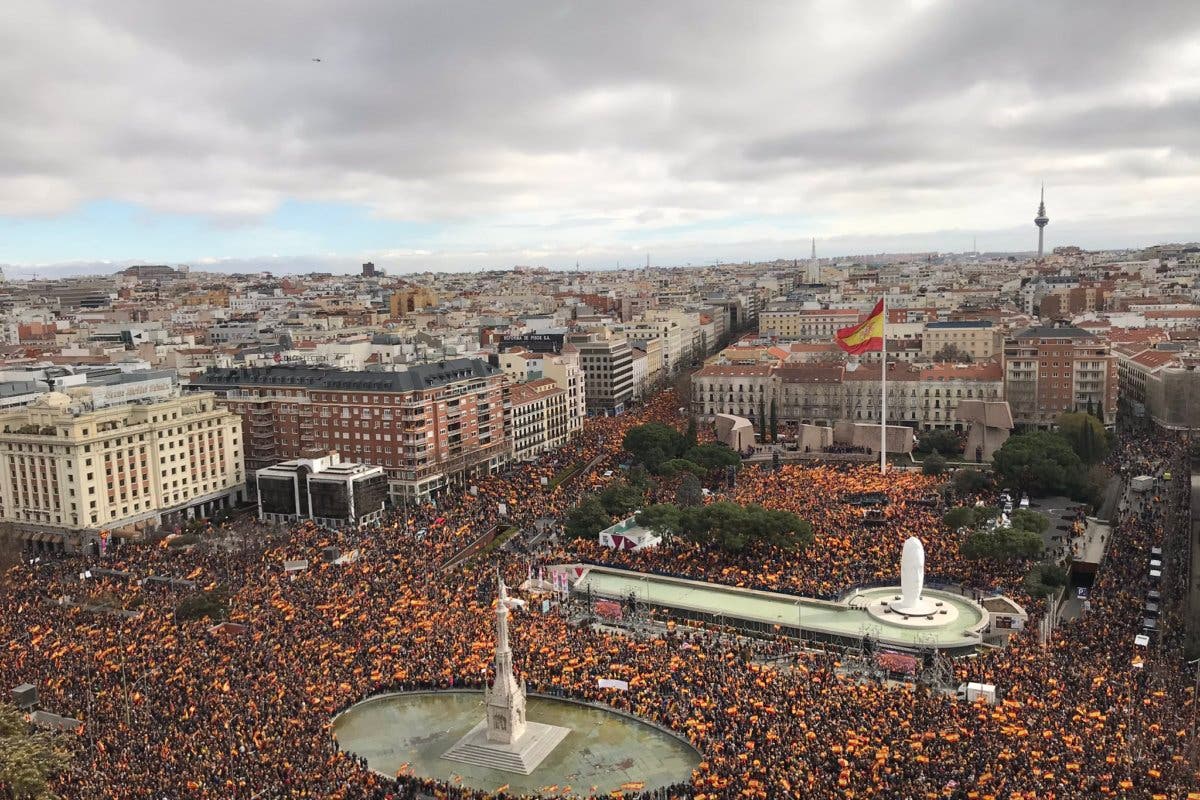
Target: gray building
x,y
607,365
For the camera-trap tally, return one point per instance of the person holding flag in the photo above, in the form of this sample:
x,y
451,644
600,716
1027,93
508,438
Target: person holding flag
x,y
866,337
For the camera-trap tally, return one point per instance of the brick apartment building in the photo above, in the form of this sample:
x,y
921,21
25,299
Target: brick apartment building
x,y
1051,369
429,427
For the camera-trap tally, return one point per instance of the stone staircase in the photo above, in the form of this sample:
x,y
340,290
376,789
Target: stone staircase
x,y
522,757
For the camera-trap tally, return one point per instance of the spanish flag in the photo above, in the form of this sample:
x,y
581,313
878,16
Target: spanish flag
x,y
866,335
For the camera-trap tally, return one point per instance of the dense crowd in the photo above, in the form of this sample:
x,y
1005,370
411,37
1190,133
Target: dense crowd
x,y
174,710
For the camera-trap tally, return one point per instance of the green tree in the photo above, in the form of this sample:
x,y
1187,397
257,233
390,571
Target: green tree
x,y
639,476
661,518
713,456
762,421
1040,463
587,519
732,527
690,492
939,440
1086,436
212,604
934,464
959,517
774,421
1045,579
691,437
673,467
1025,520
653,443
1002,544
28,760
969,482
619,498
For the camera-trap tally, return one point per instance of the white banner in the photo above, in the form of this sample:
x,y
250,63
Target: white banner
x,y
612,683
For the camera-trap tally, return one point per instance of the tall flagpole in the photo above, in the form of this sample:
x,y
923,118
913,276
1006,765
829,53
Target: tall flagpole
x,y
883,401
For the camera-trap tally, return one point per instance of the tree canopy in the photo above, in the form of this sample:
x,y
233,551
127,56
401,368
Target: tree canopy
x,y
728,525
619,498
1002,544
665,451
653,443
1041,463
934,464
1086,436
28,760
587,519
944,442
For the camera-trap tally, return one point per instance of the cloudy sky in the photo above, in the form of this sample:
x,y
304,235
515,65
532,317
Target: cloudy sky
x,y
458,135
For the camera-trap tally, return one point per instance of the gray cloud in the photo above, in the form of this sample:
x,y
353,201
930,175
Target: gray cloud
x,y
593,122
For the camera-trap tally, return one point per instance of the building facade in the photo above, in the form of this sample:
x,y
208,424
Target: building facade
x,y
805,324
68,472
978,339
538,418
1052,369
923,398
326,490
429,427
607,364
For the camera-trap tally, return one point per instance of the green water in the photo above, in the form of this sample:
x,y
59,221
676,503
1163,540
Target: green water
x,y
604,750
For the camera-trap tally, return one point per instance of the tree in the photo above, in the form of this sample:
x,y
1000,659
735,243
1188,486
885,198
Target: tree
x,y
619,498
1025,520
212,604
934,464
960,517
669,469
690,492
28,760
951,352
1002,544
653,443
1045,579
774,422
732,527
638,476
691,438
969,482
587,519
1040,463
762,421
713,456
1085,434
661,518
940,440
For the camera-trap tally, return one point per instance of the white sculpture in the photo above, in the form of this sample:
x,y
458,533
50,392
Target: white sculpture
x,y
912,579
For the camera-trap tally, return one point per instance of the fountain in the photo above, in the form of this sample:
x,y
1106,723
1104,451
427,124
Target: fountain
x,y
911,608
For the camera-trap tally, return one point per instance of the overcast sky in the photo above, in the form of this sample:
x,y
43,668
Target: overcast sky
x,y
461,135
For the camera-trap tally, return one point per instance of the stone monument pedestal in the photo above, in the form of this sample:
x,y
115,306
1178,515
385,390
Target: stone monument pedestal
x,y
521,756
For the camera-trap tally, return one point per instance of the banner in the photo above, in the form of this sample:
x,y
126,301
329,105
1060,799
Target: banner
x,y
612,683
609,608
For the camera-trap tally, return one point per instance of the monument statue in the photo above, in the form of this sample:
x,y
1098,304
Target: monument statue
x,y
912,575
506,739
505,698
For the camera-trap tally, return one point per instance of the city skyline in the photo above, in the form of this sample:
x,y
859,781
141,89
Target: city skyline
x,y
456,138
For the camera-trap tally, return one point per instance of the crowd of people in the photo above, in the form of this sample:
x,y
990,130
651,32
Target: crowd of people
x,y
175,709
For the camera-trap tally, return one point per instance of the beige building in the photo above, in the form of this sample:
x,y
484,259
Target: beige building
x,y
805,324
979,339
68,472
537,418
923,398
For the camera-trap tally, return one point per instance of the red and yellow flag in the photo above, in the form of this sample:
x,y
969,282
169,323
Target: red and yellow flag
x,y
866,335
